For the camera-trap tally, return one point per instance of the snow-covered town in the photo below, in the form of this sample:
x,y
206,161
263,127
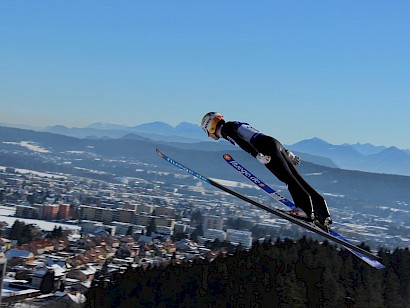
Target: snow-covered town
x,y
59,232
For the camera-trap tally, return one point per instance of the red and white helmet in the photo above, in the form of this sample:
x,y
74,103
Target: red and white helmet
x,y
210,122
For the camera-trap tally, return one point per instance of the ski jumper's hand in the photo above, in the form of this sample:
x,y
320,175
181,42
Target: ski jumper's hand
x,y
263,159
293,158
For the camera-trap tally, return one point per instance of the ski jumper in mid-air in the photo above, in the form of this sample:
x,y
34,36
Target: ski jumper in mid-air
x,y
275,157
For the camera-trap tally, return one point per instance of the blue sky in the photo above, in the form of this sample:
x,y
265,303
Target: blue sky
x,y
337,70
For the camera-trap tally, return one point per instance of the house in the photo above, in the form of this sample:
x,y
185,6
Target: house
x,y
83,274
43,245
21,255
17,290
4,244
57,299
143,239
37,277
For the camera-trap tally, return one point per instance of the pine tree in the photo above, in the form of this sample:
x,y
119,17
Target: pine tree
x,y
287,273
129,231
47,284
16,230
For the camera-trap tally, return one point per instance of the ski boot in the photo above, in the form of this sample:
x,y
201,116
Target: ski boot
x,y
298,213
323,224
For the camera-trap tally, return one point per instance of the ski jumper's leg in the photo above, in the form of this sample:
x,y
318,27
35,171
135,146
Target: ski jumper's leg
x,y
279,166
319,203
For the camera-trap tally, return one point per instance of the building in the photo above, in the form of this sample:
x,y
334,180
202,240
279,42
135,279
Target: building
x,y
27,211
213,234
105,215
142,220
83,274
239,237
50,211
164,211
164,230
90,227
24,256
64,212
125,215
180,228
212,222
163,221
87,212
144,208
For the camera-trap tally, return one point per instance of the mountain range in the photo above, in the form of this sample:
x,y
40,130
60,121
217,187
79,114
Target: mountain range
x,y
389,160
113,159
158,131
362,157
361,198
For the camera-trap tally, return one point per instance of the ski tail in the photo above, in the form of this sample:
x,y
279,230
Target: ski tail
x,y
182,167
275,195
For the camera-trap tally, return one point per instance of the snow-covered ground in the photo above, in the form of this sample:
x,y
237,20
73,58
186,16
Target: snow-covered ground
x,y
40,174
29,145
6,212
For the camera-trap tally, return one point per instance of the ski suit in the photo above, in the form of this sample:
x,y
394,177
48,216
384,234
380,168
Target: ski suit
x,y
254,142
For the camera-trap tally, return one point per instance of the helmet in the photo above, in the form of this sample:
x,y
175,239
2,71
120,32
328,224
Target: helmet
x,y
210,122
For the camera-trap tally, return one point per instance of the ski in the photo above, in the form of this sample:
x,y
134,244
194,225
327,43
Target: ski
x,y
371,260
274,211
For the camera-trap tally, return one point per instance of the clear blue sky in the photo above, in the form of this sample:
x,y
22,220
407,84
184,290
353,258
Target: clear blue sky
x,y
337,70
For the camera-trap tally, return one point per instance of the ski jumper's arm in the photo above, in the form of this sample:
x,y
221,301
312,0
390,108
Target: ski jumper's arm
x,y
230,132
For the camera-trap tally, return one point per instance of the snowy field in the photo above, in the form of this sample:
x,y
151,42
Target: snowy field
x,y
29,145
5,213
36,173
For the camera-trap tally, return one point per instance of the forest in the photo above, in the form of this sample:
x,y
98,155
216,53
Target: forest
x,y
284,273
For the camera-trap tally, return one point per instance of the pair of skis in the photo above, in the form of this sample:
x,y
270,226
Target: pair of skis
x,y
364,255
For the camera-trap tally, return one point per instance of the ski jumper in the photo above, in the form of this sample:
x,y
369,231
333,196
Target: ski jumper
x,y
254,142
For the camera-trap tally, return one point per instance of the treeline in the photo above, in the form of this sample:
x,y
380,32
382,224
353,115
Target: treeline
x,y
25,233
281,274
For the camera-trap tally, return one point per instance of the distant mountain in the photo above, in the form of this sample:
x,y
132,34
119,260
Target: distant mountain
x,y
186,130
134,137
160,128
367,148
107,126
86,132
22,126
191,130
316,159
345,156
363,157
383,160
391,160
159,131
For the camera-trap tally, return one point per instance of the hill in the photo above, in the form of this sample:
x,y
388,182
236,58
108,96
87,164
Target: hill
x,y
362,157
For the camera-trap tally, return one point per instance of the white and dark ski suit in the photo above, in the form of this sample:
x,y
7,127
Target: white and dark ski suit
x,y
254,142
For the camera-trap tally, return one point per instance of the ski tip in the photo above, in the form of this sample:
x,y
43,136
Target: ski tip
x,y
160,153
227,157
